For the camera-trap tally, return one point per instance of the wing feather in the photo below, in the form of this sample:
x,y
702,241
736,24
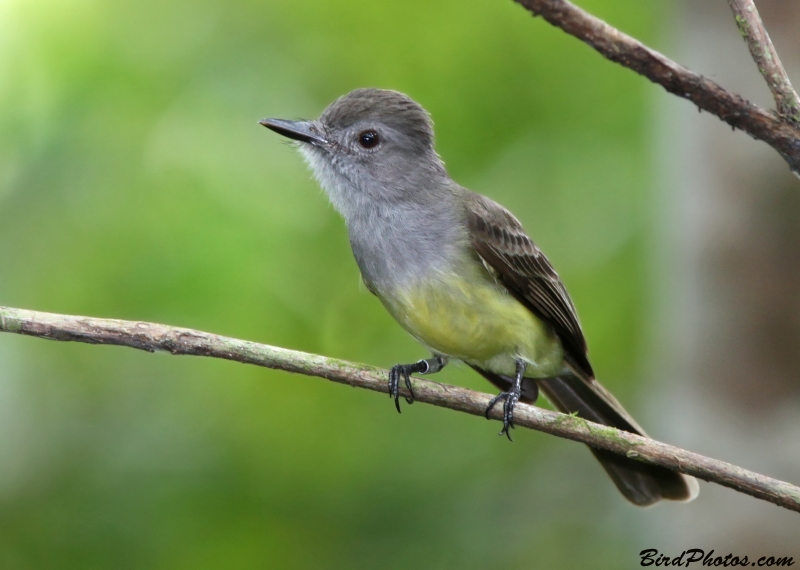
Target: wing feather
x,y
501,242
514,259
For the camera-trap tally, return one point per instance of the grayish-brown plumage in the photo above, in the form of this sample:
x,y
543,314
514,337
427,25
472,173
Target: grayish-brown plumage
x,y
459,272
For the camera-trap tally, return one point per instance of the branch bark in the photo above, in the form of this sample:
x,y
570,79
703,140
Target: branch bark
x,y
612,44
154,337
766,58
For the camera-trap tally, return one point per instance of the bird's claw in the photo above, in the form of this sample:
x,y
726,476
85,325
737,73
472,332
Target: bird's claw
x,y
428,366
510,400
404,371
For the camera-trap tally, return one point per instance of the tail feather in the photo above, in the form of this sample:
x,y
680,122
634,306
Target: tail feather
x,y
640,483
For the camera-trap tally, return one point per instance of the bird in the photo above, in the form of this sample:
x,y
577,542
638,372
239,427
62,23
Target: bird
x,y
459,273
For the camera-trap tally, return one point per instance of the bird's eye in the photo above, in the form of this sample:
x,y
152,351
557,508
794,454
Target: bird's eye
x,y
368,139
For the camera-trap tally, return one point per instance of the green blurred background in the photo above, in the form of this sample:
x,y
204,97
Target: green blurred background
x,y
136,184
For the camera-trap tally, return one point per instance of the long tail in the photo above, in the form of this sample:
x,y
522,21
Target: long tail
x,y
640,483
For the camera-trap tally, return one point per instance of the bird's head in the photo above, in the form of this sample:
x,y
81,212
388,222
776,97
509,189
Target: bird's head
x,y
368,147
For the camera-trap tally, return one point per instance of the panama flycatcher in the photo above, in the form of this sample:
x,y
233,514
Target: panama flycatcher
x,y
459,272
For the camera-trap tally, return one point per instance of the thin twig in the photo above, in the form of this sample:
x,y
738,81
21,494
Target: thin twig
x,y
766,58
706,94
153,337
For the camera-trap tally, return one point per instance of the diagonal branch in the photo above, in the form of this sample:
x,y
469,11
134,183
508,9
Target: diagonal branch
x,y
735,110
154,337
766,58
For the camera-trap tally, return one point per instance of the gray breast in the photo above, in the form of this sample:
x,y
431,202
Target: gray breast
x,y
397,245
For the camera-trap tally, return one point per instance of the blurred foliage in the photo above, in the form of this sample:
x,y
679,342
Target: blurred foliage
x,y
135,183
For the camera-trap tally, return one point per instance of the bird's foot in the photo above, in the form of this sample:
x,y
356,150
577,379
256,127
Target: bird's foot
x,y
428,366
511,398
510,401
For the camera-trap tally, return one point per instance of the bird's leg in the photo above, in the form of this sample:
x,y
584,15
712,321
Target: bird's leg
x,y
511,398
427,366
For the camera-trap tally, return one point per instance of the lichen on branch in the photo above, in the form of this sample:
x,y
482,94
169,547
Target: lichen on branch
x,y
154,337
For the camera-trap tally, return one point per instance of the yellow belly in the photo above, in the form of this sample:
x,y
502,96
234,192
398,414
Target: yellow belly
x,y
479,322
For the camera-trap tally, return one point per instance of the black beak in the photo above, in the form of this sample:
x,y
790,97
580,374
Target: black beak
x,y
304,131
